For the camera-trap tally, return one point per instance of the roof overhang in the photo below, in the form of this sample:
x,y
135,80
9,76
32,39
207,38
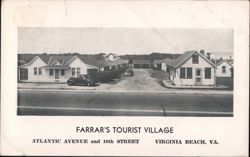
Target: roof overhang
x,y
189,56
55,67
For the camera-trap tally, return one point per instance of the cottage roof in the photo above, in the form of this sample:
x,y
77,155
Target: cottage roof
x,y
141,61
184,57
62,59
230,61
56,67
158,61
222,61
25,58
118,62
45,58
90,60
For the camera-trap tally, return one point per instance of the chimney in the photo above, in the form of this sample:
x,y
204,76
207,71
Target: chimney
x,y
208,55
202,52
230,57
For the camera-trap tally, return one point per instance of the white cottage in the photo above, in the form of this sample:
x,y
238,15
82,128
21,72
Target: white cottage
x,y
190,69
55,68
224,69
111,57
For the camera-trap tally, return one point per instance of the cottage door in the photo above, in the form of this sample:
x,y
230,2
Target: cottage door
x,y
56,74
198,77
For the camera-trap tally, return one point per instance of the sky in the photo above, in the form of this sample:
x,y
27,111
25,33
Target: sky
x,y
124,40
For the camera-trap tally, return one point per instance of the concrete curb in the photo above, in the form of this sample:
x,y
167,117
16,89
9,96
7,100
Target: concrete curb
x,y
30,88
165,84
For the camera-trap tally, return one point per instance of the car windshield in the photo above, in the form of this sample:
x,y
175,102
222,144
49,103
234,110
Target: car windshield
x,y
80,76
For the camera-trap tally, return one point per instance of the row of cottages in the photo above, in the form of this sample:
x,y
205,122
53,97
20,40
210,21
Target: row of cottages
x,y
58,68
191,68
141,63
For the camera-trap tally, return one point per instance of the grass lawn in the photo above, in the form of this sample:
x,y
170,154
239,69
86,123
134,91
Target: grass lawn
x,y
227,81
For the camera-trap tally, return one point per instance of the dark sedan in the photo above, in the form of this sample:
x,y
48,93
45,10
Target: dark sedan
x,y
82,80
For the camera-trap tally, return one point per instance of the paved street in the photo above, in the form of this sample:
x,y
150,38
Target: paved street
x,y
35,102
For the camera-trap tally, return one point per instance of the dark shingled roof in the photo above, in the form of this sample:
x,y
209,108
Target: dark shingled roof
x,y
223,60
61,59
181,58
45,58
64,59
118,62
168,61
141,61
157,61
25,58
90,60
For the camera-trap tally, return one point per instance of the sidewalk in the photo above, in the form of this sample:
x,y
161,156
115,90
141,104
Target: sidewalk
x,y
52,86
218,87
107,88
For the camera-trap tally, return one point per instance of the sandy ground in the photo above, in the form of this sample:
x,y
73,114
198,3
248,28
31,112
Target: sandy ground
x,y
140,81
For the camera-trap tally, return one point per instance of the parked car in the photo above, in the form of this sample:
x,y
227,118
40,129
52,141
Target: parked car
x,y
129,72
82,80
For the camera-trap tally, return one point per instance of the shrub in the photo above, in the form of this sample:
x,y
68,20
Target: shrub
x,y
110,75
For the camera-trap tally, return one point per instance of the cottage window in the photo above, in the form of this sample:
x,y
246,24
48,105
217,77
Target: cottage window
x,y
182,72
73,71
189,73
62,72
223,69
35,71
78,71
195,59
51,72
40,71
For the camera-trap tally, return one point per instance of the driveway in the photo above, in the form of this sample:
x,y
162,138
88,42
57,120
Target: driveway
x,y
140,81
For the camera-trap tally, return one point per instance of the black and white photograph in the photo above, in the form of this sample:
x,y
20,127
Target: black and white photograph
x,y
124,78
125,72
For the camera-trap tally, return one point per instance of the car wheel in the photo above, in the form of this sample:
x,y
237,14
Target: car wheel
x,y
70,83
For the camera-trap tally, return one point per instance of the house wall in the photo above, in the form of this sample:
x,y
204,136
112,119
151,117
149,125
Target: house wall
x,y
111,57
202,65
62,79
219,70
163,67
77,63
35,78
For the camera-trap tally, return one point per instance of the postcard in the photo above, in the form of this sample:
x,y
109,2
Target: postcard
x,y
125,78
